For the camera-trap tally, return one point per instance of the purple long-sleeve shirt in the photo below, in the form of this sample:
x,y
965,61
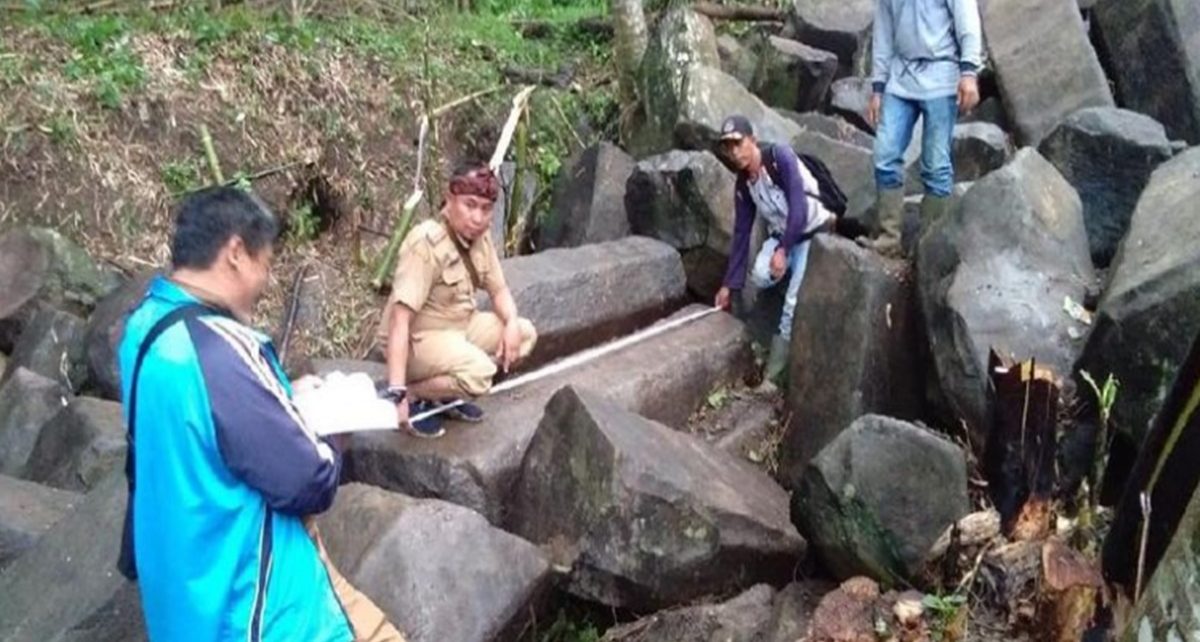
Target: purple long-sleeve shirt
x,y
782,165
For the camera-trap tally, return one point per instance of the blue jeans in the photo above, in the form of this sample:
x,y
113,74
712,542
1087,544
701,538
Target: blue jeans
x,y
895,133
761,277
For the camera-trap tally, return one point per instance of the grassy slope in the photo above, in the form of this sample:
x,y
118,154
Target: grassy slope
x,y
99,126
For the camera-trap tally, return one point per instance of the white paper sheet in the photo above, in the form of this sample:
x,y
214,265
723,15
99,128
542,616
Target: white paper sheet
x,y
345,403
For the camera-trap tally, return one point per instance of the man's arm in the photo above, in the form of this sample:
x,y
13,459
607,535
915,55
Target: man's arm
x,y
504,305
260,436
739,247
397,344
969,33
881,46
797,197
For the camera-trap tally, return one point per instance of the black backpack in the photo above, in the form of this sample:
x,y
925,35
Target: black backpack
x,y
831,195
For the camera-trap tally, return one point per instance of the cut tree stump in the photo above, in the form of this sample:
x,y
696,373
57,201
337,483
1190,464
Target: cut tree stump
x,y
1010,575
1019,459
1070,586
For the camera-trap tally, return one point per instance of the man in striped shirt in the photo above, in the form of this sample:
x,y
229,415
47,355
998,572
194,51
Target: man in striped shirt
x,y
223,471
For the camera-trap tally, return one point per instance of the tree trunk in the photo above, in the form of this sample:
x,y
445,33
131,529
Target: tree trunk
x,y
1019,458
629,23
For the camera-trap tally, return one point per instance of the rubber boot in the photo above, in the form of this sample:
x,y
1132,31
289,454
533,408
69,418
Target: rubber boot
x,y
932,209
890,206
776,366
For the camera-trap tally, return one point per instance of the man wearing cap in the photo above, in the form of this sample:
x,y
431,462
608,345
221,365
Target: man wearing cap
x,y
439,347
927,54
774,184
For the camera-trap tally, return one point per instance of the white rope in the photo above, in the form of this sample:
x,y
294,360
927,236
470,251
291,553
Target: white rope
x,y
576,359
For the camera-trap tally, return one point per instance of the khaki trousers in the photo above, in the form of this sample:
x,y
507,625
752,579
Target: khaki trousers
x,y
367,620
467,356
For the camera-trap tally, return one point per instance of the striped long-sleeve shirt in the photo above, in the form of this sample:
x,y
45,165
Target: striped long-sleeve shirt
x,y
225,470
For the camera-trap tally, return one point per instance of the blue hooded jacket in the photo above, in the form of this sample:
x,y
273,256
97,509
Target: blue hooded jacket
x,y
225,470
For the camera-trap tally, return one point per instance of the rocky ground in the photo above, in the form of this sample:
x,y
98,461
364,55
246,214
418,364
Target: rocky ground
x,y
928,473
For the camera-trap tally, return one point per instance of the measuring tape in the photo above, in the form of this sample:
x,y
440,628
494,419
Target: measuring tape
x,y
575,360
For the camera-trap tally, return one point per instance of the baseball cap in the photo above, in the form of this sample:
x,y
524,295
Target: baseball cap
x,y
736,127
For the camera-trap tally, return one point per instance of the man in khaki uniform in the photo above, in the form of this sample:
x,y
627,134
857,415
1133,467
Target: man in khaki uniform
x,y
439,347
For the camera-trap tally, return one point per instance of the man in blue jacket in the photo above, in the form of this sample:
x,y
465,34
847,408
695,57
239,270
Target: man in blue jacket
x,y
774,184
926,56
222,468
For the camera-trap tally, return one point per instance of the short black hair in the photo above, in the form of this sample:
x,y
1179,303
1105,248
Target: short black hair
x,y
208,218
466,166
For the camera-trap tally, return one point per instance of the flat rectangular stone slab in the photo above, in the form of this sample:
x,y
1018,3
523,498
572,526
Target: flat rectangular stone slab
x,y
1044,62
578,297
475,465
439,572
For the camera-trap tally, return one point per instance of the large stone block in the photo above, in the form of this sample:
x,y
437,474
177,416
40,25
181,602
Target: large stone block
x,y
792,75
840,26
52,345
664,378
1152,301
849,98
28,401
738,59
854,348
1044,62
833,127
80,446
979,149
686,199
27,511
646,516
67,586
683,39
589,199
42,268
709,96
439,571
878,496
989,281
1107,154
1152,52
104,330
582,296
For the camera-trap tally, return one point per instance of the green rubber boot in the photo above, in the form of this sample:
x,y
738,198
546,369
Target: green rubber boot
x,y
890,206
932,209
775,369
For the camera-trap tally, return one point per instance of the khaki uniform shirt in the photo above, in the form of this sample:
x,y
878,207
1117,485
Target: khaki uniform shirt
x,y
432,280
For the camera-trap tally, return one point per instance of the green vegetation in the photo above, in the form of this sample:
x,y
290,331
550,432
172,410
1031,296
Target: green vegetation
x,y
102,57
566,629
944,613
181,176
302,224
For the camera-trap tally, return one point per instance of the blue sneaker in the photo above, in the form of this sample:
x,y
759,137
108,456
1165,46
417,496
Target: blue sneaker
x,y
466,411
428,428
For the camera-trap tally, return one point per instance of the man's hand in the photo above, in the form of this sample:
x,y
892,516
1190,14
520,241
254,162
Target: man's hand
x,y
510,346
778,264
968,94
722,300
402,413
874,106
